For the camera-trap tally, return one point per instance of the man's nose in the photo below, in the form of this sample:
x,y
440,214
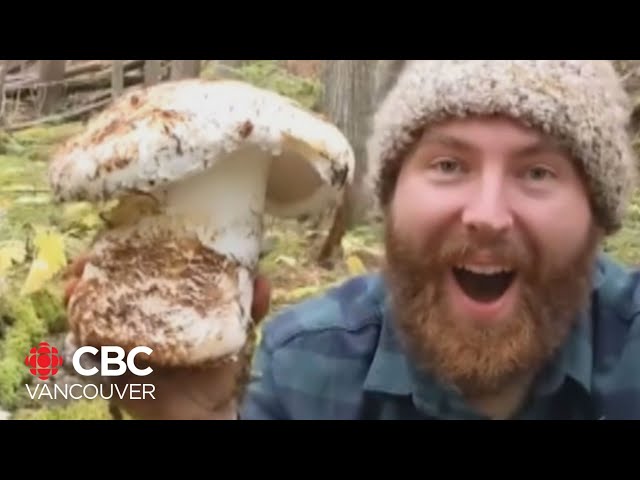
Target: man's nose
x,y
487,210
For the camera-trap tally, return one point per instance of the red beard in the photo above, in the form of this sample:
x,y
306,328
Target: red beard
x,y
482,361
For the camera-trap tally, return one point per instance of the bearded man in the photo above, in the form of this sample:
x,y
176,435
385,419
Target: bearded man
x,y
499,181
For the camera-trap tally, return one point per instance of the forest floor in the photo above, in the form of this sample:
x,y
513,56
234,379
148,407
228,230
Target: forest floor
x,y
39,238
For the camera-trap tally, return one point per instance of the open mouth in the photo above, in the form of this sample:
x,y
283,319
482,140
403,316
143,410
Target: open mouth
x,y
484,284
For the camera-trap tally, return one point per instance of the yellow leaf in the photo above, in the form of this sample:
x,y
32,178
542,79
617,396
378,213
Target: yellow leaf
x,y
72,211
90,221
285,296
130,209
289,261
80,215
10,252
355,265
49,259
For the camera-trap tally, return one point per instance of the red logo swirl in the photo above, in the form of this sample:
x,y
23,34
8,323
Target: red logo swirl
x,y
43,361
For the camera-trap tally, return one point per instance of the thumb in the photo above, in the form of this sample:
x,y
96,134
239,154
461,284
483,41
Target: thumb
x,y
261,298
76,267
69,288
73,274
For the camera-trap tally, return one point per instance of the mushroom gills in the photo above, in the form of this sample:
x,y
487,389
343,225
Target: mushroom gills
x,y
180,280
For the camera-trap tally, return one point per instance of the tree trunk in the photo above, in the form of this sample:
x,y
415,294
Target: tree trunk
x,y
348,100
152,72
185,69
232,63
4,68
51,73
117,78
387,72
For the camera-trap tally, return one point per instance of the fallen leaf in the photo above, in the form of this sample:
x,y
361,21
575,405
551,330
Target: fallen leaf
x,y
294,295
49,259
130,209
355,265
73,211
289,261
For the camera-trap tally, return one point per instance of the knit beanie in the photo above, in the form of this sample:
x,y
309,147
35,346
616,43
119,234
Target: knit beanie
x,y
580,102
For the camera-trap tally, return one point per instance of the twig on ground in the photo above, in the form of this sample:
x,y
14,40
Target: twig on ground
x,y
62,117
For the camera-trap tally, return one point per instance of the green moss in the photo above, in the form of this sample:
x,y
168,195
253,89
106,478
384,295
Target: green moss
x,y
24,197
97,409
19,174
268,74
271,75
363,238
19,218
47,134
37,143
47,305
625,245
26,330
287,245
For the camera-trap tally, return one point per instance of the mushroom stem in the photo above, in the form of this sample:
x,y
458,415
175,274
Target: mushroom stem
x,y
224,205
188,267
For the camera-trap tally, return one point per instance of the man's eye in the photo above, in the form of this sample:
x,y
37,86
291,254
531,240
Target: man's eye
x,y
446,165
539,173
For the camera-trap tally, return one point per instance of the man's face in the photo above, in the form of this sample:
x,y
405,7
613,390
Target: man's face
x,y
490,244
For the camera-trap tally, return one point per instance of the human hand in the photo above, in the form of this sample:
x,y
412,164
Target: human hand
x,y
196,393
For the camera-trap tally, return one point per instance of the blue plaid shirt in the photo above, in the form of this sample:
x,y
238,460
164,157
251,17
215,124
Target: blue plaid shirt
x,y
337,357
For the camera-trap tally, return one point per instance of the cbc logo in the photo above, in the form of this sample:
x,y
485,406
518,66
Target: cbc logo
x,y
106,361
44,361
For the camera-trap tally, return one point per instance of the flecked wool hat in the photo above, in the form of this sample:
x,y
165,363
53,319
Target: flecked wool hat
x,y
580,102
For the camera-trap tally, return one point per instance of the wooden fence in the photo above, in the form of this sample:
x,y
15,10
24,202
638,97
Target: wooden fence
x,y
33,92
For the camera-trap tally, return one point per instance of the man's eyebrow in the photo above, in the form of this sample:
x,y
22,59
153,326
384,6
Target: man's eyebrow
x,y
540,147
537,147
447,141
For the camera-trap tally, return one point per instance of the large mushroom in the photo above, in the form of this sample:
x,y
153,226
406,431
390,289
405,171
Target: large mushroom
x,y
194,166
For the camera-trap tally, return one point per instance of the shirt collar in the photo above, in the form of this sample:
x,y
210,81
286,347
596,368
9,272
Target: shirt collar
x,y
575,360
391,372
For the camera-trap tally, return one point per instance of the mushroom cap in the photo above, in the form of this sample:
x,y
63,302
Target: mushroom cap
x,y
168,132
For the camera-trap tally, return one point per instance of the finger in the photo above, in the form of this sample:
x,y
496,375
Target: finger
x,y
261,298
76,267
69,289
